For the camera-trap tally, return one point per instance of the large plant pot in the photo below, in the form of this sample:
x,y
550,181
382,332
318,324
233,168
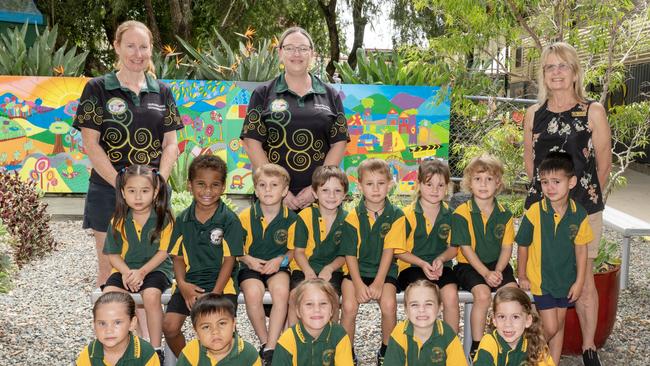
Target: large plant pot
x,y
608,286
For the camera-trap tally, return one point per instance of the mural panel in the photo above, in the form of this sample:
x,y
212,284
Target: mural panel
x,y
400,124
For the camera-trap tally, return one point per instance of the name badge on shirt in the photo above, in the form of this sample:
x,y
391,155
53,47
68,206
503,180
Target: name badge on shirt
x,y
579,114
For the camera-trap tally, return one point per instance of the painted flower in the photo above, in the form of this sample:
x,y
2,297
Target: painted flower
x,y
209,130
187,120
198,124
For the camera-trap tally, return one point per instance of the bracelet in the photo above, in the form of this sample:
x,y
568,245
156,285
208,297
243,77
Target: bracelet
x,y
285,261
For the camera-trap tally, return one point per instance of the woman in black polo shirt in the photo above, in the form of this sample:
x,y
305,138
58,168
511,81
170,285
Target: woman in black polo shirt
x,y
295,120
125,117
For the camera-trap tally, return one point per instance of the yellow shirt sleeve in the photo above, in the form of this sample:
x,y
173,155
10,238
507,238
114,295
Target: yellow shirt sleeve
x,y
166,237
343,352
585,234
509,235
83,359
455,353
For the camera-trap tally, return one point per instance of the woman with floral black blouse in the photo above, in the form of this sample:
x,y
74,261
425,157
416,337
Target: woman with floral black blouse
x,y
565,120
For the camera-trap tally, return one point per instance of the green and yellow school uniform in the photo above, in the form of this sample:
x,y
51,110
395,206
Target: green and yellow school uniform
x,y
133,243
138,353
242,354
551,266
203,246
374,235
321,249
296,347
267,240
486,235
424,239
495,351
441,349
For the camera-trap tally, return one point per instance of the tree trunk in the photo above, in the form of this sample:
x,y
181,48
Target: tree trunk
x,y
153,25
181,12
329,10
58,145
359,22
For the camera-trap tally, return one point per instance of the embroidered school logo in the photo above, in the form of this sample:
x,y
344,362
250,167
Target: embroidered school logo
x,y
216,236
385,228
499,230
573,231
279,105
443,231
116,106
338,234
437,356
280,237
328,356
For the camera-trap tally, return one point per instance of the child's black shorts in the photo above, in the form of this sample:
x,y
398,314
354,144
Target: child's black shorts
x,y
412,274
177,303
247,273
298,276
369,280
468,277
155,279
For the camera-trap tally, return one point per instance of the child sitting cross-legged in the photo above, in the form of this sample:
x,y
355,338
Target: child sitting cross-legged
x,y
269,226
217,343
552,252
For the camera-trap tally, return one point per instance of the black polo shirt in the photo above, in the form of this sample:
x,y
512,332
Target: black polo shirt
x,y
131,126
296,132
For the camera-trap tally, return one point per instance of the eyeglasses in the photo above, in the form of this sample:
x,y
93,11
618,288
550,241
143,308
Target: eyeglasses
x,y
560,67
303,50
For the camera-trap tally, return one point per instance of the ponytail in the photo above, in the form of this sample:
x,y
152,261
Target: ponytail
x,y
161,204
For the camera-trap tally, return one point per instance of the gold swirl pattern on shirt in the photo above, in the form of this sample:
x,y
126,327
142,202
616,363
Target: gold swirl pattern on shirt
x,y
91,112
340,125
254,121
171,117
142,147
303,148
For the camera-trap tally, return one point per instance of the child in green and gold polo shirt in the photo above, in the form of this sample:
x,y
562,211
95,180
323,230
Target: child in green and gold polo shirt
x,y
320,231
422,339
315,339
484,231
372,270
217,343
206,239
269,227
552,254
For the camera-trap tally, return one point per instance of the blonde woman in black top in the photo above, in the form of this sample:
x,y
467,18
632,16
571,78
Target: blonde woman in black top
x,y
565,120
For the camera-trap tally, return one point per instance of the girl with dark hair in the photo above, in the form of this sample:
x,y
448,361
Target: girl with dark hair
x,y
138,240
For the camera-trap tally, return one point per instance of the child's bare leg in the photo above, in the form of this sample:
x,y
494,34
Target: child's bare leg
x,y
143,328
450,310
172,329
482,299
153,308
388,306
349,309
253,290
551,324
279,288
292,316
103,265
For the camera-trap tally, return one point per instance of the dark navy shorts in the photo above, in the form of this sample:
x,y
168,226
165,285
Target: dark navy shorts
x,y
298,276
155,279
177,303
545,302
99,207
369,280
412,274
468,277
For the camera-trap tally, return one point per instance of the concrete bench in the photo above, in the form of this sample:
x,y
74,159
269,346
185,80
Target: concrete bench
x,y
628,226
464,297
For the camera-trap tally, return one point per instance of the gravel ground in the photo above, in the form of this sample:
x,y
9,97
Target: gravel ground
x,y
50,328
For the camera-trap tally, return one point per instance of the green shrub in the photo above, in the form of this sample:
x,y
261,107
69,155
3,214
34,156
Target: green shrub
x,y
183,199
24,215
5,260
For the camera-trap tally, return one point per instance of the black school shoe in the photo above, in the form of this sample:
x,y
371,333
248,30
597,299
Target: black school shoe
x,y
380,358
590,358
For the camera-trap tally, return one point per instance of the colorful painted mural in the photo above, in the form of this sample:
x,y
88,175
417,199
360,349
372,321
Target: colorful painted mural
x,y
399,124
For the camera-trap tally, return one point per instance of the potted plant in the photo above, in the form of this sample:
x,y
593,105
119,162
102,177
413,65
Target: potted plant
x,y
606,269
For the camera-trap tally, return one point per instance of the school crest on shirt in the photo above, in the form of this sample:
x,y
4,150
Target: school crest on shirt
x,y
279,105
499,231
116,106
437,356
216,236
573,231
385,228
443,231
280,237
328,357
338,235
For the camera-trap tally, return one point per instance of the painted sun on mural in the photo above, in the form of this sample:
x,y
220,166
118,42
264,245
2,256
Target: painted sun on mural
x,y
400,124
